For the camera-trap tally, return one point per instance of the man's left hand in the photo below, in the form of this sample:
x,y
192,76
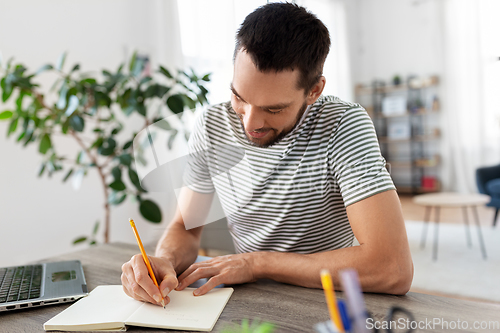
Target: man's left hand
x,y
230,269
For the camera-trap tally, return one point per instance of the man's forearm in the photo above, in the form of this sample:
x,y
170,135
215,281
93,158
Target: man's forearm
x,y
179,245
386,274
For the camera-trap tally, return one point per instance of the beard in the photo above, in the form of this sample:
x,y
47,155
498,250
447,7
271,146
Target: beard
x,y
278,136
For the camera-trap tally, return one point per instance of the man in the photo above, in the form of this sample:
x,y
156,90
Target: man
x,y
316,175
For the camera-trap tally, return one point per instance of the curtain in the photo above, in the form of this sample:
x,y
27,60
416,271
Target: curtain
x,y
471,91
168,38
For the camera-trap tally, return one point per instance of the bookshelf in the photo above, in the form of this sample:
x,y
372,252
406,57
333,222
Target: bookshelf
x,y
406,120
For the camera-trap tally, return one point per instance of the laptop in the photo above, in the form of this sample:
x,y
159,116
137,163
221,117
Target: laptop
x,y
41,284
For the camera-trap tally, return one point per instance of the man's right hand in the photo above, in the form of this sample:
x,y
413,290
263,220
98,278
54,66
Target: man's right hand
x,y
139,285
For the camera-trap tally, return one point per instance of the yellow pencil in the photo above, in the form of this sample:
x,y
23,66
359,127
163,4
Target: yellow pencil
x,y
145,257
326,281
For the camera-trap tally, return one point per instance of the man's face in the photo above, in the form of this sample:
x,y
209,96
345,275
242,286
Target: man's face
x,y
268,104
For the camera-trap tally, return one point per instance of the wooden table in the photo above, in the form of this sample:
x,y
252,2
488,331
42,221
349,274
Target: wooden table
x,y
451,200
291,308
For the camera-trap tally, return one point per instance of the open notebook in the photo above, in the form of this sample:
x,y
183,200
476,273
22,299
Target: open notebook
x,y
109,308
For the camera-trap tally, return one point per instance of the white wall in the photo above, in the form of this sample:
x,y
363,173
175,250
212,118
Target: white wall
x,y
389,37
97,34
398,37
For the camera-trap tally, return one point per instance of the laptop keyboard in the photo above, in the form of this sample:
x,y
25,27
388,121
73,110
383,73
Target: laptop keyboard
x,y
20,283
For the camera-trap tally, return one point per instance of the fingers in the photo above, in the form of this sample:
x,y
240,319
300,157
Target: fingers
x,y
193,267
231,269
195,272
168,284
211,284
167,277
132,288
137,282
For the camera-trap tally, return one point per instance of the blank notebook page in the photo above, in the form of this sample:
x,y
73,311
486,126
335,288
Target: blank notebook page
x,y
184,311
105,307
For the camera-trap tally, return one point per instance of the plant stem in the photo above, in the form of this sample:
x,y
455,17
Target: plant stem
x,y
103,181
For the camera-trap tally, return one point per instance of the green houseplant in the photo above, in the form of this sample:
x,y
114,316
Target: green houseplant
x,y
90,108
256,326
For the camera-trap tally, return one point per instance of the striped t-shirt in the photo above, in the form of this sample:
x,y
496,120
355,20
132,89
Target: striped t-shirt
x,y
290,196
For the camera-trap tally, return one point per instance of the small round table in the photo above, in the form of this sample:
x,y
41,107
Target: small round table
x,y
451,200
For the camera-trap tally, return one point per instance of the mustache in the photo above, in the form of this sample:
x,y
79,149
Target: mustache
x,y
261,130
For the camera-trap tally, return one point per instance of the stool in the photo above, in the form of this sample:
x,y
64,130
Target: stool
x,y
451,200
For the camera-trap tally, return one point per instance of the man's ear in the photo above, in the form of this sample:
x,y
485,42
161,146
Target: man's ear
x,y
316,91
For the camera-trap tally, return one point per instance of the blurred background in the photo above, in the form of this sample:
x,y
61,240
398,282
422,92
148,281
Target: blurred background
x,y
427,71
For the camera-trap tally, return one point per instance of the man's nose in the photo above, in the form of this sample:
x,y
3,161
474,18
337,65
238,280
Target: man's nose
x,y
253,118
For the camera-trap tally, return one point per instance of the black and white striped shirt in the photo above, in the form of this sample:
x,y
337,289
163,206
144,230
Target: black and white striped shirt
x,y
291,196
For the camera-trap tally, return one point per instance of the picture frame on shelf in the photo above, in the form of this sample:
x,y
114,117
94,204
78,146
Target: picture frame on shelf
x,y
394,105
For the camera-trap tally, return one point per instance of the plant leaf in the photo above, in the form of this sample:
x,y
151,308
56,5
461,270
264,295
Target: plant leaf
x,y
127,145
132,61
188,101
6,115
116,130
117,185
65,126
21,136
78,178
141,109
115,199
165,72
72,105
44,68
125,159
42,169
70,172
163,124
19,100
150,211
108,147
6,90
206,77
117,173
45,144
60,61
175,103
77,123
145,80
97,143
75,68
134,178
171,139
79,157
80,240
12,126
61,103
96,228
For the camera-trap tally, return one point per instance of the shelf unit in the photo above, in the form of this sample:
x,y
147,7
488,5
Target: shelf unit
x,y
406,121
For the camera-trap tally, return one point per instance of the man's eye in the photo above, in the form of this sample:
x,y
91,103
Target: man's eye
x,y
275,111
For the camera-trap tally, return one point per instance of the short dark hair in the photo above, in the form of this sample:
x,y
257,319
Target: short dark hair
x,y
281,36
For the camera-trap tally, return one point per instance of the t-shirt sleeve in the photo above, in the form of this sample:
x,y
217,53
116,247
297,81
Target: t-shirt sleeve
x,y
355,158
197,175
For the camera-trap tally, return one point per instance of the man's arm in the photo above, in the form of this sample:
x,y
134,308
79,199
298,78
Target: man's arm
x,y
176,250
383,259
177,244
